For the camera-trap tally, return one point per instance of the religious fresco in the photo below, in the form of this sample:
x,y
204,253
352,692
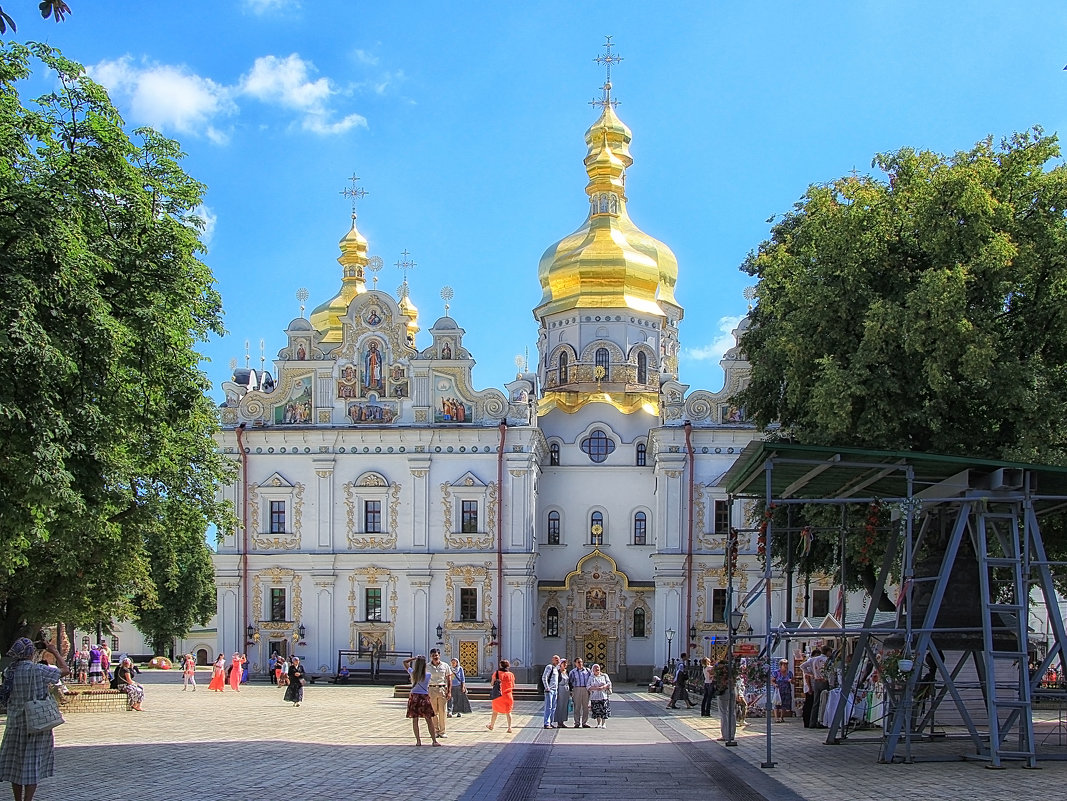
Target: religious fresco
x,y
348,385
446,349
297,407
373,316
373,358
596,598
398,381
371,411
301,351
449,407
732,414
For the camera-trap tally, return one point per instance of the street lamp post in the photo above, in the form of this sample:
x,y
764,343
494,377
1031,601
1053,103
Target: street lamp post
x,y
670,636
736,616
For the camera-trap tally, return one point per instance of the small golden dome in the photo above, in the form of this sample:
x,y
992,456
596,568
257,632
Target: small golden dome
x,y
608,262
326,318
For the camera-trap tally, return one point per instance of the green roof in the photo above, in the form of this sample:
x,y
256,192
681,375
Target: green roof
x,y
812,471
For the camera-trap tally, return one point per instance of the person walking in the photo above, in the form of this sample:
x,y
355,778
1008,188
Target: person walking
x,y
458,705
599,690
124,681
506,701
218,675
96,671
709,688
272,664
236,670
26,757
188,672
815,669
563,696
783,684
578,679
680,692
295,691
550,681
440,690
419,704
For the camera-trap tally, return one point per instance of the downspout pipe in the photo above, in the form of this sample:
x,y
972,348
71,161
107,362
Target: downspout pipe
x,y
244,537
689,545
500,542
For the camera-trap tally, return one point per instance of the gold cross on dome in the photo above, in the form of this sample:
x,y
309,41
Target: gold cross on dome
x,y
354,192
405,263
607,60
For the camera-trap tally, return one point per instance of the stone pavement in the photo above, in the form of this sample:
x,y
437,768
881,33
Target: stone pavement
x,y
352,742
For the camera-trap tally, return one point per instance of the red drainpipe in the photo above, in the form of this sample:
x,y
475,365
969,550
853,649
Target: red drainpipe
x,y
500,542
244,528
689,550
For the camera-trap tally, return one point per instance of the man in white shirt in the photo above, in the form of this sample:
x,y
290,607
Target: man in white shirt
x,y
815,670
440,689
550,679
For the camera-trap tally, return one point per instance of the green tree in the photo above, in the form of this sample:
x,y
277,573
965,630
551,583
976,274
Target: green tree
x,y
925,310
107,431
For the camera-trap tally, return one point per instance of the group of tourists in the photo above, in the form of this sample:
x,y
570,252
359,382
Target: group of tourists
x,y
579,689
438,692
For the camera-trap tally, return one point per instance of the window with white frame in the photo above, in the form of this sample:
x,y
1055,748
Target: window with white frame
x,y
468,523
718,605
721,519
372,603
468,604
552,535
596,528
372,516
640,528
277,517
277,604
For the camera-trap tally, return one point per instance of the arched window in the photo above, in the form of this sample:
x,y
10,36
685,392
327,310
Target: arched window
x,y
553,454
553,528
602,358
552,622
642,367
562,379
596,528
639,622
640,529
642,455
597,446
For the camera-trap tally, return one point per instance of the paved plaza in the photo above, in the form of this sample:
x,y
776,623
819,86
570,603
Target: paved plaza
x,y
353,742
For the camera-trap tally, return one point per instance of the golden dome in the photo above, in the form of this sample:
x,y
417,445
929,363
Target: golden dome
x,y
326,317
409,310
608,262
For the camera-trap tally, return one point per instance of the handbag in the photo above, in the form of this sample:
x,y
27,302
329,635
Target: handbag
x,y
43,715
495,691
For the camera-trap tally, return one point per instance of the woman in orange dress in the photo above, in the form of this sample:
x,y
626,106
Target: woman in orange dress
x,y
506,702
236,671
218,675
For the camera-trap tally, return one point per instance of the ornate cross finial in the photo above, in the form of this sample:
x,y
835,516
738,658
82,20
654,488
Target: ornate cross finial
x,y
354,192
607,60
446,295
405,263
302,295
374,264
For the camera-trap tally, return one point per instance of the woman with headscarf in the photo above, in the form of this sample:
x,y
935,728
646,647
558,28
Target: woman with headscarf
x,y
124,681
295,691
599,690
419,703
25,757
218,675
506,702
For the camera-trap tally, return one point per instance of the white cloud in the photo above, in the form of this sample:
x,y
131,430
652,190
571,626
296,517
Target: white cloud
x,y
209,218
174,99
164,96
265,6
718,347
364,57
287,82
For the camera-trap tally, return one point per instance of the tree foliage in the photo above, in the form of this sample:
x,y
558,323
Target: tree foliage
x,y
56,9
108,473
924,309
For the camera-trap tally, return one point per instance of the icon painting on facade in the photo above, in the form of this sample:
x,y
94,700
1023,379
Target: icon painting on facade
x,y
297,407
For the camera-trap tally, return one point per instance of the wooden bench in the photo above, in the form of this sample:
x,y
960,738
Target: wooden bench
x,y
96,701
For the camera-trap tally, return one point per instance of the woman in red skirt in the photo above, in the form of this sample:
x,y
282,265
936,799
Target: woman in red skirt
x,y
419,704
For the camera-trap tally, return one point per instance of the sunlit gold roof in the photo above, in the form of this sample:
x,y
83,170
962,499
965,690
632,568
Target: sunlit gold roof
x,y
409,310
327,317
608,262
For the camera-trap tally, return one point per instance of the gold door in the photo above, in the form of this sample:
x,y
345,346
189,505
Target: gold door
x,y
595,650
468,657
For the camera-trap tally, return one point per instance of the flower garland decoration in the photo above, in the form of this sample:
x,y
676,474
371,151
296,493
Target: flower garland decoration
x,y
720,672
757,671
761,539
870,528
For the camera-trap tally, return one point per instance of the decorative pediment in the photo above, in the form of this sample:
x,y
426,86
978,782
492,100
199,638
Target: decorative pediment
x,y
371,479
469,480
277,480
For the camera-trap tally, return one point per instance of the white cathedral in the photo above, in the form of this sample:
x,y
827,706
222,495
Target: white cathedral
x,y
386,503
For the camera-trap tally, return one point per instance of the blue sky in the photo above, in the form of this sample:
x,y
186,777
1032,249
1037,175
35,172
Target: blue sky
x,y
465,122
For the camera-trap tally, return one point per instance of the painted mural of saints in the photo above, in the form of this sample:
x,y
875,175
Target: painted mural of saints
x,y
373,368
346,387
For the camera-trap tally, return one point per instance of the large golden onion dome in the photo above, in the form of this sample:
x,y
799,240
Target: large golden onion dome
x,y
608,262
327,317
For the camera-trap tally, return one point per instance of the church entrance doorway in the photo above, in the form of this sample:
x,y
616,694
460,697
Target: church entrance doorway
x,y
468,656
594,649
